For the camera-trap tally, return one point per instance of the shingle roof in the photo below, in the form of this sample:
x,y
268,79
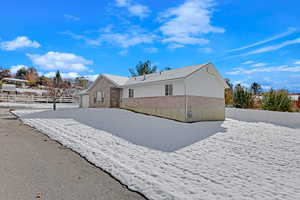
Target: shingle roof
x,y
158,76
165,75
119,80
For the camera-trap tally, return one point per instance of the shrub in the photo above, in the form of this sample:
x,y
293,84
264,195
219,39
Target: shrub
x,y
242,97
298,102
228,96
276,100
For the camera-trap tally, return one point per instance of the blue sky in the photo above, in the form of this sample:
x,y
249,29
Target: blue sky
x,y
246,40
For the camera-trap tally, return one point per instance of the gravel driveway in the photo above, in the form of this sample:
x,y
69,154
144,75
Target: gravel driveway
x,y
34,167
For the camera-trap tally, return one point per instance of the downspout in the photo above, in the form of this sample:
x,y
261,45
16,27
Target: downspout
x,y
185,100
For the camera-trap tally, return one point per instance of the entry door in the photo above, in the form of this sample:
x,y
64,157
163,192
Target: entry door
x,y
115,97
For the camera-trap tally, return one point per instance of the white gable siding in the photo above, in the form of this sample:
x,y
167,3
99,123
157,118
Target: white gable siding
x,y
154,89
203,83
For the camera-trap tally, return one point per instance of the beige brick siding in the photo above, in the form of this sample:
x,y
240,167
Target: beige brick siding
x,y
174,107
102,85
205,108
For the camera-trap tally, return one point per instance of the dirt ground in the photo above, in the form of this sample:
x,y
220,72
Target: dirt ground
x,y
34,167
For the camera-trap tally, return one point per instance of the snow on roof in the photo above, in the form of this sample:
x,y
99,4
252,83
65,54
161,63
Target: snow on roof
x,y
83,92
158,76
165,75
119,80
14,79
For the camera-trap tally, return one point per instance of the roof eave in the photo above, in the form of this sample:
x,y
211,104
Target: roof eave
x,y
144,83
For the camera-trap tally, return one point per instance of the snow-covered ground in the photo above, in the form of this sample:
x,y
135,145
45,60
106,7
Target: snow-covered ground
x,y
144,130
241,160
288,119
36,105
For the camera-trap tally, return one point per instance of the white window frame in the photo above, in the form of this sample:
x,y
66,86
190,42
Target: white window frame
x,y
169,90
130,93
100,97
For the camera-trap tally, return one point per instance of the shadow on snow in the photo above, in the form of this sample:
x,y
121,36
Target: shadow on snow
x,y
148,131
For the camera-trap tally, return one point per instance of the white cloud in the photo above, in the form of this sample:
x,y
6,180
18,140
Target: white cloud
x,y
63,75
259,64
151,50
295,76
130,37
241,82
92,77
274,47
71,75
73,35
15,68
139,10
267,49
18,43
206,50
187,23
122,3
123,52
248,62
71,17
266,87
297,62
283,68
124,40
175,46
134,9
60,61
281,35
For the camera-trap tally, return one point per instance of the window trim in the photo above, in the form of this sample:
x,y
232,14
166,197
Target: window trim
x,y
169,90
130,93
101,100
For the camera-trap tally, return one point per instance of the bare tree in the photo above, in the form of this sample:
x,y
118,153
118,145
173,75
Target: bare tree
x,y
56,88
4,73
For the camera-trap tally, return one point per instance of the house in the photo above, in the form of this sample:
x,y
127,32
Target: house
x,y
294,96
19,86
188,94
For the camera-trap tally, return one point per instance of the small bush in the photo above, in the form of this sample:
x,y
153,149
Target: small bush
x,y
276,101
228,96
242,97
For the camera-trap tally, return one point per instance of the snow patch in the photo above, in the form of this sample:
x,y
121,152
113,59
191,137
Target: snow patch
x,y
248,161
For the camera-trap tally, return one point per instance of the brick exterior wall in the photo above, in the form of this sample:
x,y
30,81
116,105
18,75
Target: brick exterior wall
x,y
174,107
205,108
102,85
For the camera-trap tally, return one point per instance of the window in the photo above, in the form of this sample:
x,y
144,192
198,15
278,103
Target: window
x,y
130,93
168,90
100,97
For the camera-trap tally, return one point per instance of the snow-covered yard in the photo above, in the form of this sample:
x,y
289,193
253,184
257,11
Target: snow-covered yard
x,y
288,119
206,160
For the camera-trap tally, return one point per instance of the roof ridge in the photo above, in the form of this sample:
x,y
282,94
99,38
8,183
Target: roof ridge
x,y
114,75
171,70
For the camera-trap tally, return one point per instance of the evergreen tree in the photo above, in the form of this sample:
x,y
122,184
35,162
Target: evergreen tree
x,y
143,68
256,88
